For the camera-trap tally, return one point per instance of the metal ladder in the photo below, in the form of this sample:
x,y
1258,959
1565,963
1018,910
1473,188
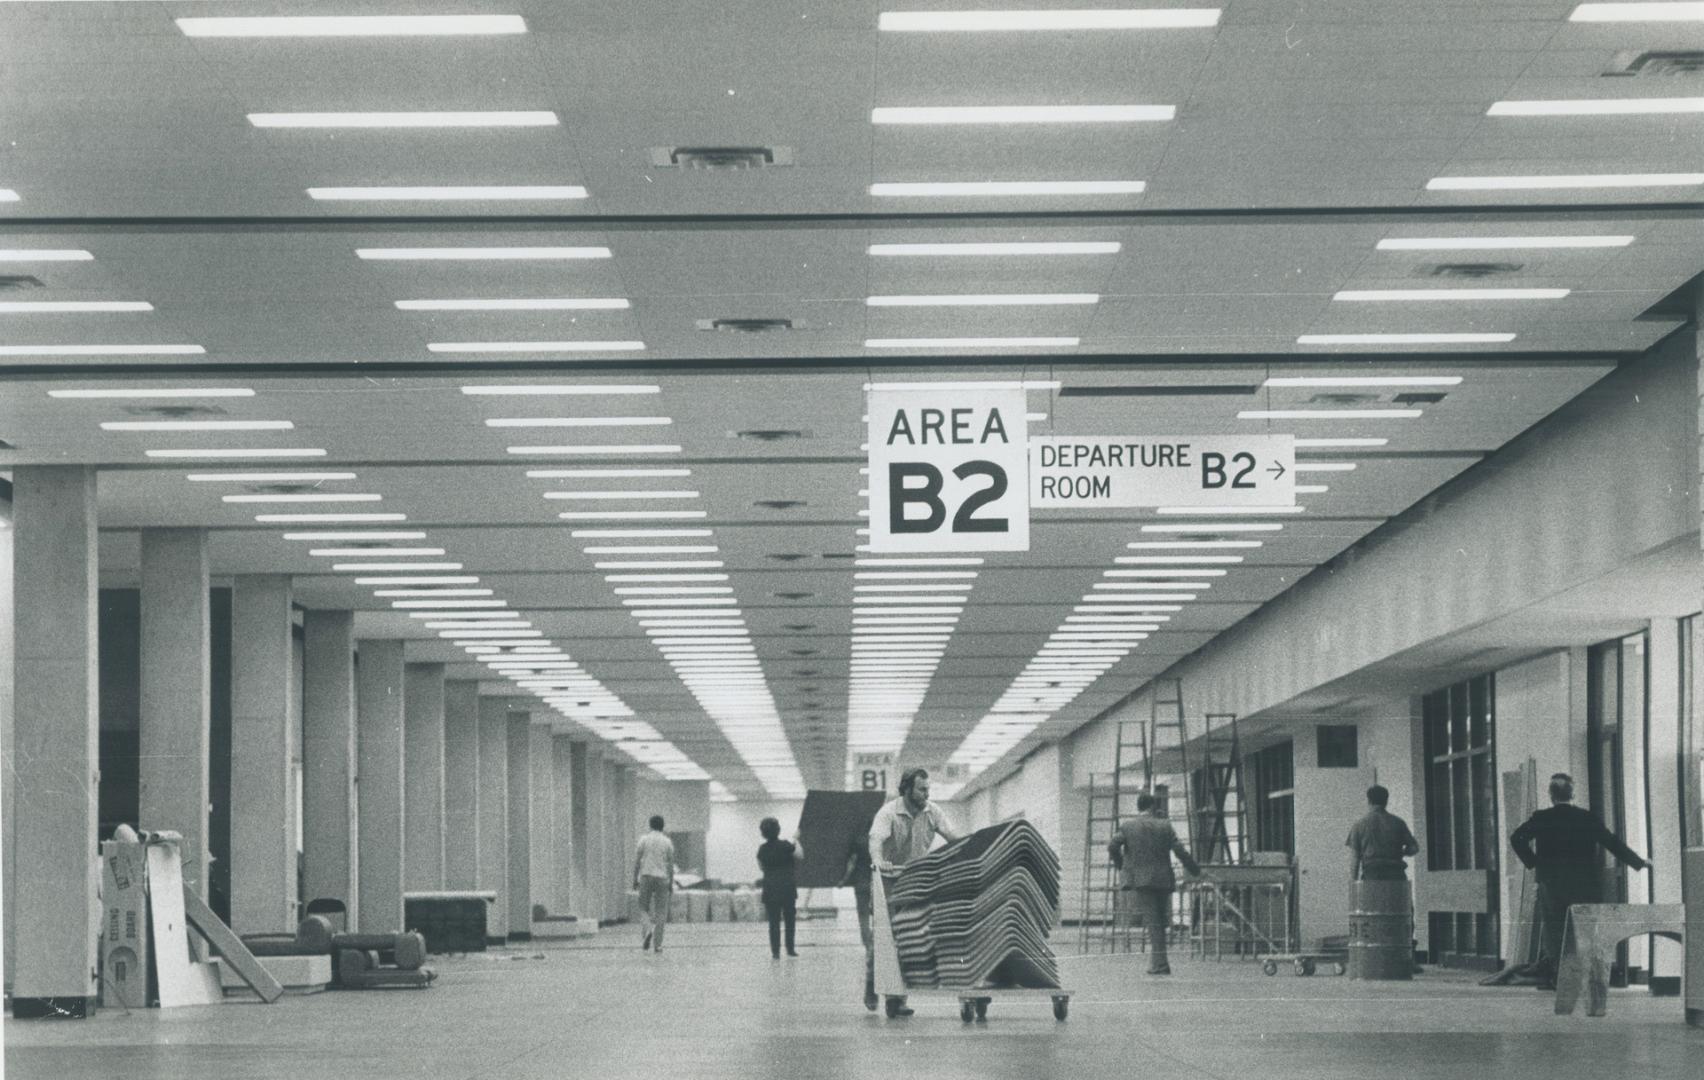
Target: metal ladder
x,y
1098,915
1221,824
1167,731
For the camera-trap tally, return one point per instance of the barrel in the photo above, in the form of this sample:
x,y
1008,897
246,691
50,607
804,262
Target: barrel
x,y
1381,932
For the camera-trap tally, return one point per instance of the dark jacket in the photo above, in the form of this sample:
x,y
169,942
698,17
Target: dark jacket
x,y
775,857
1143,849
1561,843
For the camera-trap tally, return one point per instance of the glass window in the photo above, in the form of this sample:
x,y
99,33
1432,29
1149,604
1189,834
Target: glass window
x,y
1461,792
1691,740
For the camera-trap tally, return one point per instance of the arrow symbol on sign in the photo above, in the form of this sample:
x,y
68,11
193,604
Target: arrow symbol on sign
x,y
1277,470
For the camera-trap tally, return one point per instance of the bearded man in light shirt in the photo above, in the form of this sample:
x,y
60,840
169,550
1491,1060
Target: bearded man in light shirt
x,y
904,829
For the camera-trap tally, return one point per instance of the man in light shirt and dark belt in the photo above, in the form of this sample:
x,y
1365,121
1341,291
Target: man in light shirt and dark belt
x,y
653,876
904,829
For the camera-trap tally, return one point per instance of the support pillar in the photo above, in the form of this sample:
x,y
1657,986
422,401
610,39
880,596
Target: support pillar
x,y
585,866
263,847
56,741
8,763
328,757
627,817
461,784
1693,881
423,777
544,843
562,895
379,699
520,825
176,692
494,813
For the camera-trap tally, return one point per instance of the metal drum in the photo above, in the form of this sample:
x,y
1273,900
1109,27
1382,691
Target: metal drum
x,y
1381,931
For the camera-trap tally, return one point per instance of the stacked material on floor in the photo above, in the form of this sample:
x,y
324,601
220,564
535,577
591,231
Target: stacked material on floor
x,y
358,961
977,912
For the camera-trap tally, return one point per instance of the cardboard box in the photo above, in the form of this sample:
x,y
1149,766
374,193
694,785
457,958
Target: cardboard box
x,y
124,927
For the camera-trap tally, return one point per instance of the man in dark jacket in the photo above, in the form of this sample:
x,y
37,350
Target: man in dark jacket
x,y
1142,851
1560,845
1380,842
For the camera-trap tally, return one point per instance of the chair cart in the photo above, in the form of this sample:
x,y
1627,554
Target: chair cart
x,y
973,1001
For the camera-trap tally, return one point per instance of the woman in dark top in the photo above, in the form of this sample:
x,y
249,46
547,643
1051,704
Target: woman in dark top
x,y
777,858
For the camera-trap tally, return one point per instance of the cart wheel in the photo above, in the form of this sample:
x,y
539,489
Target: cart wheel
x,y
982,1008
1340,968
1061,1007
1270,967
1307,967
1301,967
967,1010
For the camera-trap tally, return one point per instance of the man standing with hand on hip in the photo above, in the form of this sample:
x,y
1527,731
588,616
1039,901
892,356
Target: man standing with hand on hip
x,y
1143,851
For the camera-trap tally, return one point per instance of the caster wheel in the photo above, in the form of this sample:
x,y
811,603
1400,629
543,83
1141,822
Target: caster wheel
x,y
1301,968
1340,968
1307,967
967,1011
1061,1008
982,1009
1270,967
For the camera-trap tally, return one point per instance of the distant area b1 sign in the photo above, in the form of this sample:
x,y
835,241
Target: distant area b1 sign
x,y
1106,472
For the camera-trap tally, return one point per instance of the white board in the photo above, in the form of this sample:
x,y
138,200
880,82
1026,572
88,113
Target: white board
x,y
181,980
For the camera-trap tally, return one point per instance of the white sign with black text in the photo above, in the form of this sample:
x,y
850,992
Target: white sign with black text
x,y
949,470
1104,472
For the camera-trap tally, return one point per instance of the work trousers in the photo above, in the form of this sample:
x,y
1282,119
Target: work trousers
x,y
781,911
654,907
1551,911
1153,907
867,931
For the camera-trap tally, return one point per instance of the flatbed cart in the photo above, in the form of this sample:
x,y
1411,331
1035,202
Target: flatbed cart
x,y
1306,963
973,1002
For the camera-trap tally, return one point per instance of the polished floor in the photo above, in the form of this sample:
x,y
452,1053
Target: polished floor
x,y
714,1004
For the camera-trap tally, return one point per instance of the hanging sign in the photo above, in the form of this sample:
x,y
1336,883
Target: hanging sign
x,y
1109,472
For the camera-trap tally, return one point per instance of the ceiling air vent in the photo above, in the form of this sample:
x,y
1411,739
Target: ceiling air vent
x,y
770,434
1475,271
174,412
721,158
1419,398
1343,399
1668,63
806,671
750,325
790,557
793,595
780,504
19,281
282,489
801,652
799,627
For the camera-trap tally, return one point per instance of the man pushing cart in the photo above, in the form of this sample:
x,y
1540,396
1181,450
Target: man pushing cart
x,y
903,829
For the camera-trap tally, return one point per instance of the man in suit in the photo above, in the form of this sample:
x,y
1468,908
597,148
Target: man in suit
x,y
1560,845
1142,851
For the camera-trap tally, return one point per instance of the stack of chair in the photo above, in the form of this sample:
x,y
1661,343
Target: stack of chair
x,y
977,912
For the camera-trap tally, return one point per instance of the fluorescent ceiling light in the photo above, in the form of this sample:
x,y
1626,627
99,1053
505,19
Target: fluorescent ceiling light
x,y
660,564
446,604
608,474
1599,107
547,303
1094,19
1653,12
475,635
1499,243
443,579
101,350
1256,510
1152,545
636,534
388,567
664,577
911,586
49,307
1545,183
1393,295
1365,380
984,300
452,624
973,343
1312,489
1041,247
8,195
1326,466
922,610
1175,559
197,425
652,549
1022,114
351,25
316,497
596,496
558,390
449,193
533,346
482,253
1372,441
924,575
1329,414
272,477
1407,339
465,615
11,255
1026,384
1006,188
953,561
495,119
596,449
282,518
632,515
334,553
1214,527
235,453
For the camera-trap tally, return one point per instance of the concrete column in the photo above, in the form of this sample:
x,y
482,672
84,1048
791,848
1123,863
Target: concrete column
x,y
8,820
543,845
423,777
379,727
626,815
494,813
618,875
585,866
563,896
56,741
328,757
461,784
176,695
520,825
263,846
1693,884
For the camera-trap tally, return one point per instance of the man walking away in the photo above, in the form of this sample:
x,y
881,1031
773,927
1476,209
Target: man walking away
x,y
653,876
1379,842
1560,845
1142,851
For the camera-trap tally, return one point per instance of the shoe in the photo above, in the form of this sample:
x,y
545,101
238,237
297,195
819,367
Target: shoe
x,y
790,952
1160,971
646,944
1546,986
658,950
896,1007
871,1001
